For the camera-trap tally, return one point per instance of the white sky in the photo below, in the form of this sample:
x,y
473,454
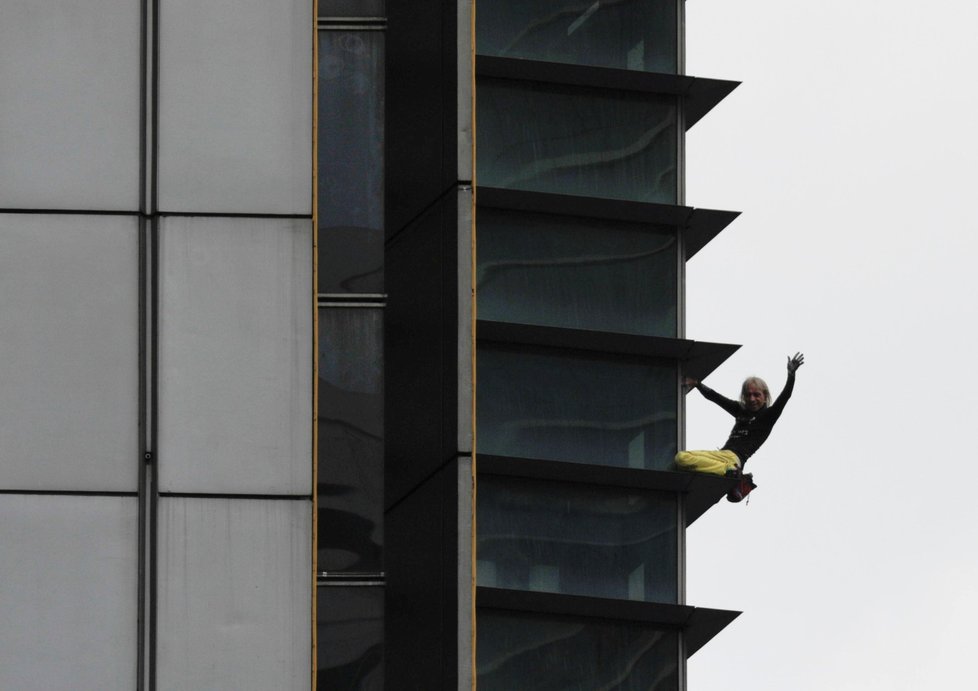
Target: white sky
x,y
851,148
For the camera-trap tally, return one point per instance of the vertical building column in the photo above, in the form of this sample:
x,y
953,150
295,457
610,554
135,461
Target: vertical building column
x,y
429,341
69,344
235,331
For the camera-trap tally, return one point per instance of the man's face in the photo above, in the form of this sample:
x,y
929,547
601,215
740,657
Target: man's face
x,y
754,398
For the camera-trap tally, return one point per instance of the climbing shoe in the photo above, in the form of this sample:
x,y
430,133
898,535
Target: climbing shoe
x,y
743,488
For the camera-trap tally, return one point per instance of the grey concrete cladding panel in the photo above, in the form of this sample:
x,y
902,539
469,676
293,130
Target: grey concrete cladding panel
x,y
69,338
68,592
235,594
69,115
235,355
235,106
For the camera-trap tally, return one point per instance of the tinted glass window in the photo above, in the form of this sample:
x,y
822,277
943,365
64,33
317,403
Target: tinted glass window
x,y
634,35
605,411
351,442
523,651
351,161
576,273
350,638
351,8
576,539
572,140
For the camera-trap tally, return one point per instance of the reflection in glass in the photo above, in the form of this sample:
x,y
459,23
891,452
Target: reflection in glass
x,y
574,140
577,408
624,34
351,161
351,443
350,640
524,651
577,539
576,273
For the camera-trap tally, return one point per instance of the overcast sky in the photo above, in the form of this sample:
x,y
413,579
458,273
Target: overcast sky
x,y
850,148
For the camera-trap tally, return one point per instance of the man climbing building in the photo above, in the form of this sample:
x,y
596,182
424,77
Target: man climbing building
x,y
754,416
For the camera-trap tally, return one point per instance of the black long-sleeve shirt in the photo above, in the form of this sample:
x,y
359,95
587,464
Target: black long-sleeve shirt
x,y
750,430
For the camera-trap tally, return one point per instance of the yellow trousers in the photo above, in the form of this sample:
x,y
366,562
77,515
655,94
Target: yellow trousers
x,y
712,462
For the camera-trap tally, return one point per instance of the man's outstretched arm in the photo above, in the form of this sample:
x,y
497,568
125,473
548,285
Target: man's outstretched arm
x,y
732,407
793,364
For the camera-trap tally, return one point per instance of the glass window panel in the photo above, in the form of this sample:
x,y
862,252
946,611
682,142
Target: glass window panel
x,y
350,638
633,34
574,140
351,161
576,273
351,8
351,441
577,539
529,651
576,408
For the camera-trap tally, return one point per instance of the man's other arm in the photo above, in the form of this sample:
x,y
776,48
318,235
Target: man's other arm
x,y
732,407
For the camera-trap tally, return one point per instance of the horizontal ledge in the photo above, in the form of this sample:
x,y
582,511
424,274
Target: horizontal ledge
x,y
699,94
701,490
331,300
235,495
350,578
705,225
699,624
337,583
335,23
698,226
698,357
703,624
667,615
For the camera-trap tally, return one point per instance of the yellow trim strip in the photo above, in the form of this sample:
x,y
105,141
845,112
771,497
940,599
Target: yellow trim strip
x,y
315,341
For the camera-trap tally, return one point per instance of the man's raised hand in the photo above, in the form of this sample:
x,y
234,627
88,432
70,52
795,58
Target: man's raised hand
x,y
795,362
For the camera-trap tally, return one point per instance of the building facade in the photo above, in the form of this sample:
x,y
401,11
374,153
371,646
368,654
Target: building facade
x,y
536,242
342,345
156,253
